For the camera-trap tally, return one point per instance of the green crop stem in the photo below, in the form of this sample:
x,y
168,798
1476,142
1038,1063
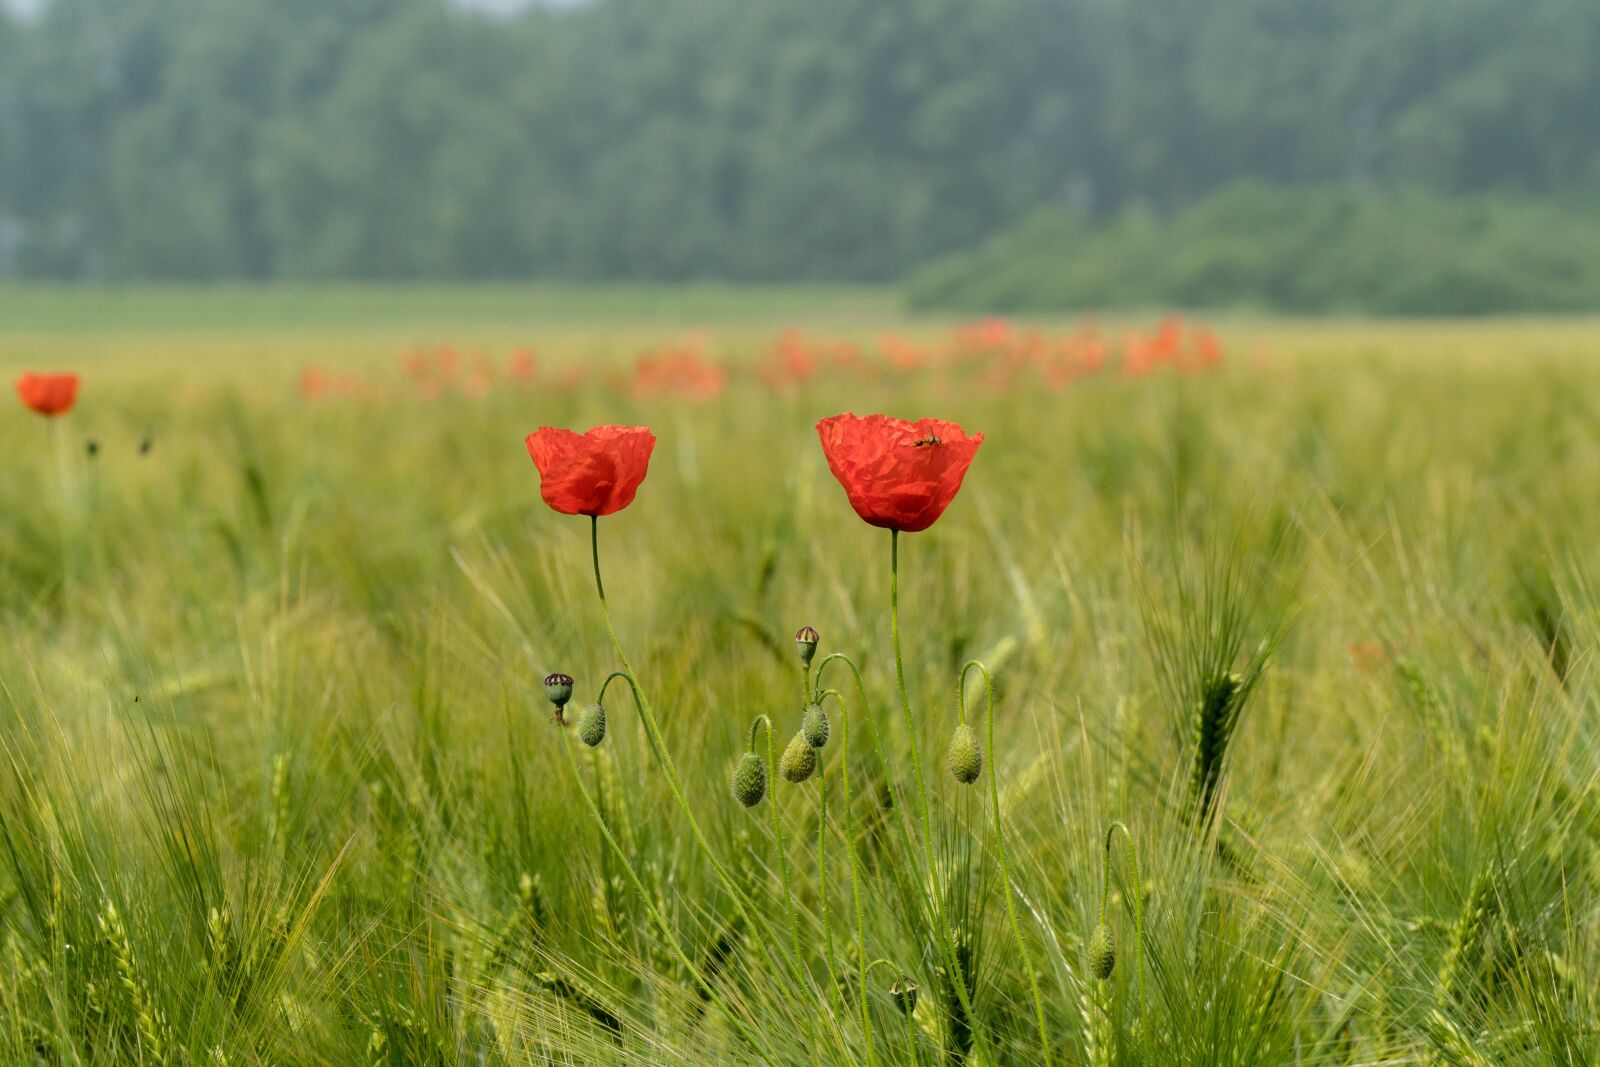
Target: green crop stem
x,y
855,879
1000,841
1138,909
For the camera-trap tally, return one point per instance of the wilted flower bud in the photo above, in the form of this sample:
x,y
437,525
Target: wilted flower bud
x,y
749,783
805,639
964,756
815,725
558,687
799,759
1102,952
904,992
592,725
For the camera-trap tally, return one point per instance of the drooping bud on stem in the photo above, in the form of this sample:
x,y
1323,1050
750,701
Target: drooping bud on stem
x,y
965,756
805,640
558,687
592,725
799,760
815,726
749,782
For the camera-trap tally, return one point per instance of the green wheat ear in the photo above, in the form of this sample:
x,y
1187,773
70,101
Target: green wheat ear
x,y
799,760
1216,712
815,726
964,756
749,780
1102,952
592,725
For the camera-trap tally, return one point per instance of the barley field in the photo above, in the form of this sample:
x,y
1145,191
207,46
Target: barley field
x,y
1290,755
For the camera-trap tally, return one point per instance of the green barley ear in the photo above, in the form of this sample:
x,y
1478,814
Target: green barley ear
x,y
1216,712
749,780
592,725
815,726
799,760
805,642
964,756
1102,952
904,992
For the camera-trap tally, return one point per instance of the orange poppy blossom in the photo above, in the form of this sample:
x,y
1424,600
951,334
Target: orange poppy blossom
x,y
48,394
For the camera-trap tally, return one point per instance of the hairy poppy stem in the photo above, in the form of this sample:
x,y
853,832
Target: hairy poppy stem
x,y
1000,841
658,748
777,830
649,901
958,979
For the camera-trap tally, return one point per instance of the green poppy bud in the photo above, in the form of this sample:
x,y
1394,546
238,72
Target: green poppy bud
x,y
815,726
904,992
805,639
592,725
964,756
799,759
558,687
749,780
1102,952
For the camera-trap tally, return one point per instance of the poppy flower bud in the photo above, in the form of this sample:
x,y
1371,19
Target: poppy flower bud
x,y
805,639
91,447
964,757
799,760
749,783
592,725
1102,952
815,726
904,992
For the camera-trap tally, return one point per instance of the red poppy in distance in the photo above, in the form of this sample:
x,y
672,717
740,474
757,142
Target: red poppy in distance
x,y
48,394
899,475
592,473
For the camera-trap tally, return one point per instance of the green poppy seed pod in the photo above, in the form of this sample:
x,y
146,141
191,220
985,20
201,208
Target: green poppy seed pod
x,y
964,756
904,992
799,759
749,780
592,725
805,639
815,726
558,687
1102,952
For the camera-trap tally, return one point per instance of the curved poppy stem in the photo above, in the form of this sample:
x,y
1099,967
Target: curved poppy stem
x,y
855,878
1000,841
649,901
1138,909
777,829
658,749
957,979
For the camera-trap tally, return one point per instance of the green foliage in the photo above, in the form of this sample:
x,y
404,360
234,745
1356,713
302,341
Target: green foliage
x,y
1304,250
835,139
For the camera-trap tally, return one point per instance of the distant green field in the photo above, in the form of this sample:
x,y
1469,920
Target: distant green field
x,y
1314,615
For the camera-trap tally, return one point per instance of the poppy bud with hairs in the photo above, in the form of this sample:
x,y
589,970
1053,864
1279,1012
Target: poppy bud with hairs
x,y
592,725
964,756
815,726
749,782
1102,952
805,639
799,760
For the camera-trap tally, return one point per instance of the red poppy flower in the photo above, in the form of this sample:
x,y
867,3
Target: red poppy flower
x,y
592,473
48,394
899,475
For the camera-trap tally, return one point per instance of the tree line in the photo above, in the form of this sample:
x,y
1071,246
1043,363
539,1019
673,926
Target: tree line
x,y
830,139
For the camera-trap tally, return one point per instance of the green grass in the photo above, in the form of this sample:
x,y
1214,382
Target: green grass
x,y
280,785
